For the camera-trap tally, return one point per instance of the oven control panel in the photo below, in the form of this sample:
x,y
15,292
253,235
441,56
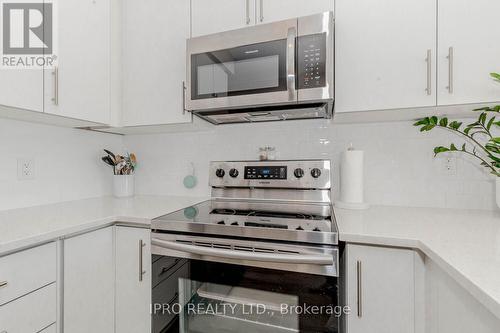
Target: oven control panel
x,y
266,172
305,174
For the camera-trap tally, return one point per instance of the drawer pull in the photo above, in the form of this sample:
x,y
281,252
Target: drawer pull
x,y
3,284
173,299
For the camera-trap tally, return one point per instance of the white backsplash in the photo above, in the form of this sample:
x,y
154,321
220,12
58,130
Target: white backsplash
x,y
67,164
399,165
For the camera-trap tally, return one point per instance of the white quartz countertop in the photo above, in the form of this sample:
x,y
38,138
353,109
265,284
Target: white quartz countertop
x,y
25,227
464,243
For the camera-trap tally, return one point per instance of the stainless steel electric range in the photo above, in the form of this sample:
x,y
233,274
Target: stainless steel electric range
x,y
256,257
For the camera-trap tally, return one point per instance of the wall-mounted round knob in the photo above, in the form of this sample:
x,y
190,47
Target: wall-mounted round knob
x,y
220,173
315,173
299,173
233,173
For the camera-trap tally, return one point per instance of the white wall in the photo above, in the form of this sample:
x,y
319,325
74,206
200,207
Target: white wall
x,y
67,163
400,168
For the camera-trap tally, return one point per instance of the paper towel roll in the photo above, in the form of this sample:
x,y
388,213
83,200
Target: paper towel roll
x,y
352,180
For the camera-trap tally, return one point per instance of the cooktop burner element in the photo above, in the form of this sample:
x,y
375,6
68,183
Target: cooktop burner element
x,y
294,207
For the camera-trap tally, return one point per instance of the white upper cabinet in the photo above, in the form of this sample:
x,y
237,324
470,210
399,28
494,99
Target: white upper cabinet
x,y
154,61
80,85
22,88
277,10
469,32
213,16
385,54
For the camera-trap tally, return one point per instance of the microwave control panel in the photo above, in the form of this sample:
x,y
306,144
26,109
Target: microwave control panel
x,y
311,61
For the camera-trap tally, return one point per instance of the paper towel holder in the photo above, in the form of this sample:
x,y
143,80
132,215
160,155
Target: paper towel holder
x,y
355,204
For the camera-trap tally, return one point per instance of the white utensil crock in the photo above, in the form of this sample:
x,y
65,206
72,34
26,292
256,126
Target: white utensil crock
x,y
498,192
123,186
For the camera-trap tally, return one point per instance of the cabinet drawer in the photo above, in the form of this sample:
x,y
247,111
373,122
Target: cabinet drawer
x,y
164,267
31,313
26,271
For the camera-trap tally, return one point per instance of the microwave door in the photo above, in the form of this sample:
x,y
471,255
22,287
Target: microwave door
x,y
257,69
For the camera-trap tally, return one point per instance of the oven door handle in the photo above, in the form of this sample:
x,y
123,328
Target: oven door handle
x,y
315,259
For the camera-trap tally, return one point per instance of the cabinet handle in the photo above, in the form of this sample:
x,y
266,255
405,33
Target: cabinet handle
x,y
173,299
359,289
261,11
141,268
55,72
247,9
183,97
450,70
429,72
3,284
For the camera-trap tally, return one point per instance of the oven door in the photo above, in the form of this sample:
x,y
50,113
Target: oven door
x,y
226,285
250,66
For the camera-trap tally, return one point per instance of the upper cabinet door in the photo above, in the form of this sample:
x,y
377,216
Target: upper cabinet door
x,y
154,62
22,88
214,16
277,10
79,87
385,54
469,49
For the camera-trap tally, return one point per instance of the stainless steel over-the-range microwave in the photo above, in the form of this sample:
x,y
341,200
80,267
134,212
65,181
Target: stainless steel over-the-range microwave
x,y
276,71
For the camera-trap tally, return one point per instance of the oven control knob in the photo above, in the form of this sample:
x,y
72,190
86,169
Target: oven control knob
x,y
234,223
299,173
221,222
315,173
220,173
233,173
299,228
316,229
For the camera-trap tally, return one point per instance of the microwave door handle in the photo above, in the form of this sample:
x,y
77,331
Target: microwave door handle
x,y
290,63
316,259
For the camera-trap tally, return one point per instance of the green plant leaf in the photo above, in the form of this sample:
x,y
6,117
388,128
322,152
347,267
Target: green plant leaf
x,y
463,147
427,128
467,130
433,120
453,147
496,140
443,122
492,120
496,76
439,150
423,121
482,118
492,148
455,125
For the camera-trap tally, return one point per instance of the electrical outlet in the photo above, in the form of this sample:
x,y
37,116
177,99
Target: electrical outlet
x,y
450,165
25,169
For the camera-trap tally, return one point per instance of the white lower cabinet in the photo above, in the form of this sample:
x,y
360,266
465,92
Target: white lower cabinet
x,y
383,289
89,282
450,308
133,280
31,313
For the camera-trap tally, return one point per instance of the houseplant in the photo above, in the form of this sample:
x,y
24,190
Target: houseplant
x,y
482,138
123,173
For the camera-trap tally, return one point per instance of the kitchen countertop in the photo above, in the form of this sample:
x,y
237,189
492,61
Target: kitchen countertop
x,y
26,227
464,243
